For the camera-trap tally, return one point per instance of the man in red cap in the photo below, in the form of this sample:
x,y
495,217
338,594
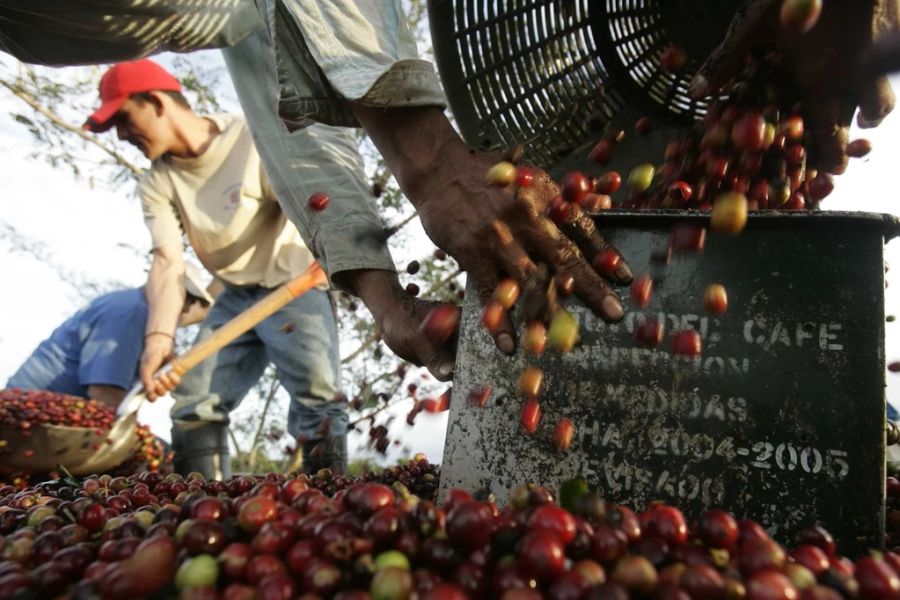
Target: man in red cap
x,y
206,184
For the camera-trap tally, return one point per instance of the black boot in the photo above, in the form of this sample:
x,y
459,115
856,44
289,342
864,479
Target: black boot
x,y
201,446
325,453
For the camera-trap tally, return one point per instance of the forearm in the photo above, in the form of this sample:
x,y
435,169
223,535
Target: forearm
x,y
411,140
165,294
378,289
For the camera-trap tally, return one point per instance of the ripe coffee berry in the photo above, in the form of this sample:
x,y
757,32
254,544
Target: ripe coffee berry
x,y
575,187
440,323
506,293
641,290
562,435
686,343
715,298
531,415
319,201
608,183
649,333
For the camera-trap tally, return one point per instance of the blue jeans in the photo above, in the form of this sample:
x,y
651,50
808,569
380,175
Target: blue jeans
x,y
300,340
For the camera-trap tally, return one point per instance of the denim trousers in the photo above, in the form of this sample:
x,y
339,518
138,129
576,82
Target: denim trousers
x,y
300,340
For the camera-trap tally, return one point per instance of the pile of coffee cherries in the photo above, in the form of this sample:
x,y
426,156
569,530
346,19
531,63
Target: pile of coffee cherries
x,y
274,537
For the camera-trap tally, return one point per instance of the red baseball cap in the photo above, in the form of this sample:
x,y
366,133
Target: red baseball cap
x,y
123,80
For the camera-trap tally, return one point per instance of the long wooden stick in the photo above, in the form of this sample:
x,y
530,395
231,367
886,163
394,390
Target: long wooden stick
x,y
276,300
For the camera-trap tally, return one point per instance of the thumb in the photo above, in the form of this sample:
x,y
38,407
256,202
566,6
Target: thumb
x,y
725,61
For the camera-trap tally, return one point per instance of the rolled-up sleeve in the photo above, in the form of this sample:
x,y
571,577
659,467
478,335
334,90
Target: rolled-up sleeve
x,y
330,51
71,32
348,235
160,215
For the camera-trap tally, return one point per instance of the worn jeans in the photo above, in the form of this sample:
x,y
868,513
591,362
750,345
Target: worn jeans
x,y
300,340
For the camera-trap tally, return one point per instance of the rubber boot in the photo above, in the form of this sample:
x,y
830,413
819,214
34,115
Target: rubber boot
x,y
201,446
325,453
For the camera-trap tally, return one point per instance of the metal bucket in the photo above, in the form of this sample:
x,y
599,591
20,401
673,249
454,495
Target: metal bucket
x,y
780,419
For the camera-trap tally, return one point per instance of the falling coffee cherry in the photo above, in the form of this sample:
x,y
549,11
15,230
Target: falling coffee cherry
x,y
602,152
531,415
562,435
502,174
894,367
575,187
563,331
607,262
440,323
641,290
565,284
413,267
534,338
479,395
643,126
715,298
506,293
531,382
799,16
649,333
729,214
608,183
492,316
686,343
524,176
412,289
319,201
641,177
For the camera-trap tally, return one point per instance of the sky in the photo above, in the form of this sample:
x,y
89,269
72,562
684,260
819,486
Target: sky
x,y
98,234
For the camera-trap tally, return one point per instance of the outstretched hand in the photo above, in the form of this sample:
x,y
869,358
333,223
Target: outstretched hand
x,y
828,63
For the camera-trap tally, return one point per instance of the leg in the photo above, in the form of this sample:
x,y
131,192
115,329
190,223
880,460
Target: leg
x,y
307,362
211,390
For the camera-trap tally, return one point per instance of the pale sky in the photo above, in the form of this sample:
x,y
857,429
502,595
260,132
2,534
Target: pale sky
x,y
92,234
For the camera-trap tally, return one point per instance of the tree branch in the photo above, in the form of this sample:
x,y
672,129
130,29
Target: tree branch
x,y
21,93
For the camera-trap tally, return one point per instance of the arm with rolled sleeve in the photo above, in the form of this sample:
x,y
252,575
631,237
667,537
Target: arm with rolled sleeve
x,y
347,236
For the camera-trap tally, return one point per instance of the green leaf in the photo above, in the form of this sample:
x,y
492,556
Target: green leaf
x,y
570,491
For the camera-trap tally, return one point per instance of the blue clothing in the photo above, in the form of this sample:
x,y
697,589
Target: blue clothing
x,y
99,345
301,340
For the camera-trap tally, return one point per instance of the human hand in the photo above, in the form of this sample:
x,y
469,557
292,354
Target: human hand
x,y
827,63
399,317
158,350
505,231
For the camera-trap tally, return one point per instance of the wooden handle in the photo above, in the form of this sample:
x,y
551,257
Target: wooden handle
x,y
280,297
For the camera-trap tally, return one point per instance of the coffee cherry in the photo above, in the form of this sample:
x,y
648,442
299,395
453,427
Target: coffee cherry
x,y
596,202
687,238
602,152
641,177
563,331
575,187
440,323
480,394
729,214
792,128
534,338
680,192
715,298
562,435
501,174
524,176
607,262
748,133
319,201
506,293
609,183
492,316
643,126
820,187
531,415
686,342
412,289
531,382
542,554
799,16
641,289
649,333
413,267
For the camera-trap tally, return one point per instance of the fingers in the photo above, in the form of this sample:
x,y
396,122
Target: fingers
x,y
743,32
876,101
827,124
583,231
